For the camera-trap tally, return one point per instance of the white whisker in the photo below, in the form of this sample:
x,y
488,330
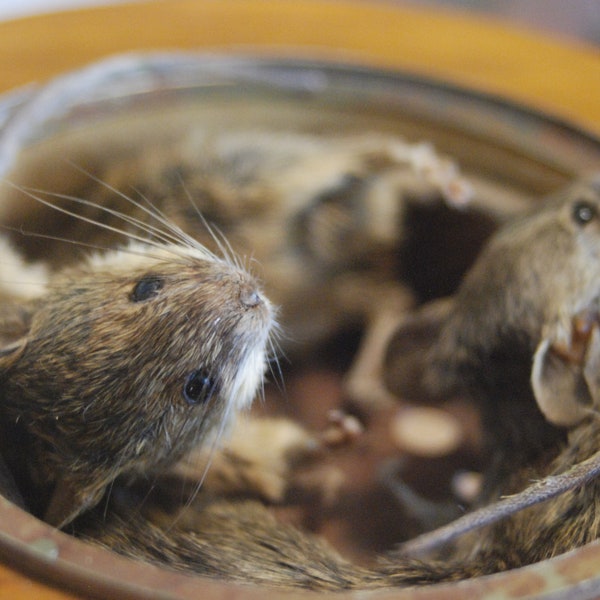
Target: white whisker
x,y
152,230
214,446
218,237
172,232
37,198
57,238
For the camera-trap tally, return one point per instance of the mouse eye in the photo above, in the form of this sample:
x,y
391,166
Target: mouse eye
x,y
147,287
199,387
583,212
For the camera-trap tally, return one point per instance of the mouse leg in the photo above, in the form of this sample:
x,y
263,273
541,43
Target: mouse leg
x,y
384,305
257,460
268,458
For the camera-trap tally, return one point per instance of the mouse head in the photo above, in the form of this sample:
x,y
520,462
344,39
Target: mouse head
x,y
130,360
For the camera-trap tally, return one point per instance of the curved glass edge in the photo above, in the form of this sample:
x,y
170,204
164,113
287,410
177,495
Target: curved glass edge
x,y
29,115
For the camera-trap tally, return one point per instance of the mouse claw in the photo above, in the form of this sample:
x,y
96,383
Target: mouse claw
x,y
342,429
583,324
591,369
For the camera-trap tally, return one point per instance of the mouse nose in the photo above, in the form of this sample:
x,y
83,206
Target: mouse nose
x,y
250,296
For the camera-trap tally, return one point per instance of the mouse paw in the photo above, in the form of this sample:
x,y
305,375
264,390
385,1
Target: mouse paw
x,y
564,376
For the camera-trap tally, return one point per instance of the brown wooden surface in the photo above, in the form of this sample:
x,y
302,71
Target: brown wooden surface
x,y
555,76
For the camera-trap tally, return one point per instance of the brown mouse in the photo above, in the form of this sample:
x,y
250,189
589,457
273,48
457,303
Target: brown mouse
x,y
537,272
125,363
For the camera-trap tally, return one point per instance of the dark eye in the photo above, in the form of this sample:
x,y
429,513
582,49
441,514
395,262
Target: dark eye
x,y
584,212
147,287
199,387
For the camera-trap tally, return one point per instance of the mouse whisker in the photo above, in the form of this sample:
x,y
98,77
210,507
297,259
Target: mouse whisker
x,y
156,234
133,250
178,236
148,208
57,238
210,454
218,237
171,232
274,357
35,195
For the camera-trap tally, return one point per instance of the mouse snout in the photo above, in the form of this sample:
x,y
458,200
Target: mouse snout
x,y
250,295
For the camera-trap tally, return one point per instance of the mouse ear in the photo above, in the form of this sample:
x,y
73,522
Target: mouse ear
x,y
565,377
